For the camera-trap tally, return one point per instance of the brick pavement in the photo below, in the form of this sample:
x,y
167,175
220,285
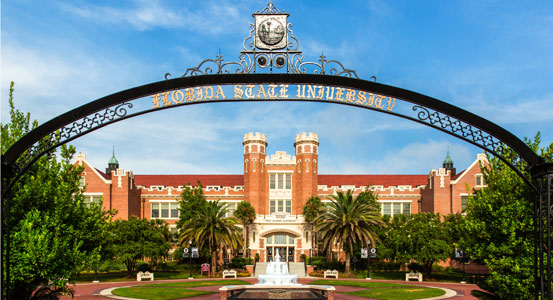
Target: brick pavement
x,y
91,291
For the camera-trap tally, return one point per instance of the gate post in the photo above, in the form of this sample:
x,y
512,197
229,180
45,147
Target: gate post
x,y
543,211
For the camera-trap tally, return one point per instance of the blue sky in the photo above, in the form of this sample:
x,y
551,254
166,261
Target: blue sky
x,y
493,58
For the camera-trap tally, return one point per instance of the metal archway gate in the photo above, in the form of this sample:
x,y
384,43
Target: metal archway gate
x,y
272,70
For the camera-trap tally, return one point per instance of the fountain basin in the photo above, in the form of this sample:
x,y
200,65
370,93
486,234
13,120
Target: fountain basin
x,y
279,279
271,291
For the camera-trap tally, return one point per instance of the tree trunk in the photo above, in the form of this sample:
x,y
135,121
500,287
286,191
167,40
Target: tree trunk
x,y
214,261
347,262
428,267
245,234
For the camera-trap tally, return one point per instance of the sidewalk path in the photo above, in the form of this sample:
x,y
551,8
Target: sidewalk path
x,y
91,291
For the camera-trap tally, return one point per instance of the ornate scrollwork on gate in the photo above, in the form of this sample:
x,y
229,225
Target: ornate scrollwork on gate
x,y
73,130
270,47
448,123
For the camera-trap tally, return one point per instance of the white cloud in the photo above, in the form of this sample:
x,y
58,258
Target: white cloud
x,y
520,112
212,17
411,159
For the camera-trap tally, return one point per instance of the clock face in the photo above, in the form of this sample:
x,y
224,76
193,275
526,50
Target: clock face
x,y
270,31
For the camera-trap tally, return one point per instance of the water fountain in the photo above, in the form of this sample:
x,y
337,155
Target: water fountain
x,y
277,283
277,273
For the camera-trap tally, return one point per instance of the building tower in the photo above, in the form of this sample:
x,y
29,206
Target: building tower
x,y
448,164
255,175
113,164
306,172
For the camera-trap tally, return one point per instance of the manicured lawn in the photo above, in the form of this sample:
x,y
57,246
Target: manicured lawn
x,y
414,292
394,275
385,291
122,276
158,293
172,290
362,284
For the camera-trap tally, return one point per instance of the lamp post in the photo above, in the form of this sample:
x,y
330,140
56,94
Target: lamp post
x,y
369,260
310,248
190,255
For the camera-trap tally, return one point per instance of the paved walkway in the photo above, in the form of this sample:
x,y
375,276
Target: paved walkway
x,y
89,291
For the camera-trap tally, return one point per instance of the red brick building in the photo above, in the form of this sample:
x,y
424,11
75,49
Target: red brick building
x,y
278,186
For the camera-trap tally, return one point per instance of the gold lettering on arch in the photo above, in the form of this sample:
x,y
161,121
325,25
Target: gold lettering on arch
x,y
275,91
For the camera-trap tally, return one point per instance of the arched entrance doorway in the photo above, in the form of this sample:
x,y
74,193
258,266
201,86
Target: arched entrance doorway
x,y
284,244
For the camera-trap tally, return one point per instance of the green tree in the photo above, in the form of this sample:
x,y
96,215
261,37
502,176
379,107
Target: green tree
x,y
245,214
134,239
53,233
500,226
427,240
210,228
311,210
421,237
192,199
349,220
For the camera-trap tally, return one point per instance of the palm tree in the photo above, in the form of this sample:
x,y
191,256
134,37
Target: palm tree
x,y
349,221
209,227
245,214
311,210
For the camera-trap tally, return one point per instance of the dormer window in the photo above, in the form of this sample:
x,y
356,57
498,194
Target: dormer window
x,y
480,180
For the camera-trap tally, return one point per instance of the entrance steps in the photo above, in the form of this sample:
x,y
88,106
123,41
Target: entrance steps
x,y
294,268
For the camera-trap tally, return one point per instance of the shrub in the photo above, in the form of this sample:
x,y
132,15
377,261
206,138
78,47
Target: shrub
x,y
416,267
437,268
167,266
239,262
144,267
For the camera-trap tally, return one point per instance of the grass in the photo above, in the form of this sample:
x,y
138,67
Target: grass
x,y
122,276
385,291
171,290
158,293
411,293
396,275
361,284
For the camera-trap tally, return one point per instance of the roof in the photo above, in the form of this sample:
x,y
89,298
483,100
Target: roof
x,y
234,180
179,180
457,175
364,180
113,160
106,176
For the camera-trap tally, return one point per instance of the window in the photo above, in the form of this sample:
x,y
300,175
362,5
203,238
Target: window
x,y
164,210
280,181
276,206
289,206
272,184
155,210
387,209
92,199
231,207
289,181
480,180
81,181
174,210
174,234
406,208
395,208
464,202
